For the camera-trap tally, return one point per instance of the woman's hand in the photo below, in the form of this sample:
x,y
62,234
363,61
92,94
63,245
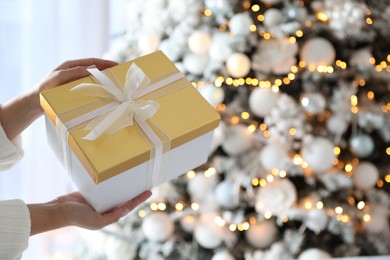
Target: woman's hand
x,y
20,112
69,71
73,210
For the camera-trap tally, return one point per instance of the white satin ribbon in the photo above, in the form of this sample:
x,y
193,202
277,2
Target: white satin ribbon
x,y
125,108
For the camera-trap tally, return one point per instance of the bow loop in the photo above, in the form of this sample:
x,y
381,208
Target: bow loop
x,y
127,106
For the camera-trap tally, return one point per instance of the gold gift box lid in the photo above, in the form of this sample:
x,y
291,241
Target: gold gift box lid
x,y
183,116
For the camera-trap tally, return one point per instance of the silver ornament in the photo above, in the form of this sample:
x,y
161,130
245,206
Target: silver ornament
x,y
362,145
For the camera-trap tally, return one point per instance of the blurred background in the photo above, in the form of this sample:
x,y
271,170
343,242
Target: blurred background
x,y
300,165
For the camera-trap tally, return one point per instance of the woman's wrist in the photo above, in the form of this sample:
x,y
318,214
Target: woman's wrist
x,y
46,216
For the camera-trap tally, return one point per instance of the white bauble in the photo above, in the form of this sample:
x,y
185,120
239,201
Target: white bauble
x,y
314,103
237,140
273,155
240,23
316,220
208,234
337,124
262,101
148,42
378,220
188,223
238,65
362,145
223,255
158,226
226,195
218,137
214,95
318,51
195,63
199,42
261,235
272,17
365,175
200,186
221,47
314,253
319,154
276,197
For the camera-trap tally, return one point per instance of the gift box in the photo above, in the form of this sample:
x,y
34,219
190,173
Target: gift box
x,y
128,128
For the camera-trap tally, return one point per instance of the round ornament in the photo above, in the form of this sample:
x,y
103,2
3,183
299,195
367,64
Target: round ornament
x,y
314,253
237,140
314,103
378,220
273,155
226,195
223,255
337,124
200,186
273,17
240,24
188,223
261,235
148,42
318,51
238,65
362,145
365,175
214,95
199,42
316,220
221,48
195,63
319,154
208,234
276,197
158,227
262,101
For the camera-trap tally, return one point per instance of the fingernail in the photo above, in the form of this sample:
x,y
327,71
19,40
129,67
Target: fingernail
x,y
125,212
91,67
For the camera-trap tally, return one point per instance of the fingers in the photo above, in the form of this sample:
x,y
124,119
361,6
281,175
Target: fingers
x,y
115,214
99,63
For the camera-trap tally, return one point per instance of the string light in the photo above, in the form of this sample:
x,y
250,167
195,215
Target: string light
x,y
297,160
338,210
161,206
321,16
262,182
210,172
299,33
232,227
370,95
270,178
260,17
179,206
282,174
255,8
153,206
361,205
208,12
379,183
234,120
387,178
267,215
336,150
348,167
366,217
245,115
141,213
267,36
369,20
219,221
255,182
195,206
320,205
252,128
190,174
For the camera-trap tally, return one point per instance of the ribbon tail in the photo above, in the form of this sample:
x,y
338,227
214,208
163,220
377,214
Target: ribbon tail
x,y
106,121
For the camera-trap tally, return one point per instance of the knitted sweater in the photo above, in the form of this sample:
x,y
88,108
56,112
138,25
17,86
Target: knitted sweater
x,y
14,215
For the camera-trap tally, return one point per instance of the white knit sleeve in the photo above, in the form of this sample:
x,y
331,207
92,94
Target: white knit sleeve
x,y
10,150
15,227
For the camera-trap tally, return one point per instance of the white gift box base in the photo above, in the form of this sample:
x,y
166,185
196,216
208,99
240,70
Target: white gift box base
x,y
130,183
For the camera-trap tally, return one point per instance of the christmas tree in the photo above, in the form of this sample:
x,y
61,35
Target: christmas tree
x,y
300,164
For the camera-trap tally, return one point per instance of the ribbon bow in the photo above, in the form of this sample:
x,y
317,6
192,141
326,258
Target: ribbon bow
x,y
127,104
